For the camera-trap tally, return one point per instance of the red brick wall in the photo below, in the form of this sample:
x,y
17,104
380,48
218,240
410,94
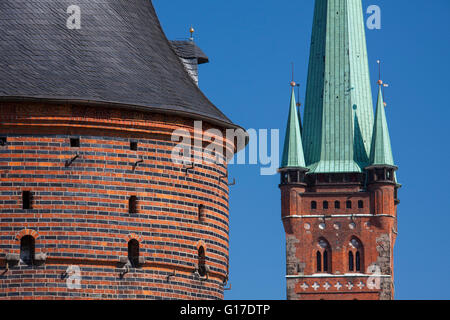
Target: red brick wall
x,y
373,225
80,212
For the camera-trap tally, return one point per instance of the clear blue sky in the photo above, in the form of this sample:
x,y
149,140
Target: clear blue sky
x,y
251,45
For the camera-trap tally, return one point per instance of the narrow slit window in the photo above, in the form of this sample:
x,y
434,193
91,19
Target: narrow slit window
x,y
133,253
350,261
27,200
360,204
325,261
337,205
313,205
201,262
132,204
74,142
3,141
319,261
325,205
27,248
133,145
358,261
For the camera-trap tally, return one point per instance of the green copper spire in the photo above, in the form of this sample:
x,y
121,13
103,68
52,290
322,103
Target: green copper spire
x,y
293,150
381,152
338,115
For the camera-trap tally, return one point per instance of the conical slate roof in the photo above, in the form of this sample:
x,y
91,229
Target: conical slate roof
x,y
120,56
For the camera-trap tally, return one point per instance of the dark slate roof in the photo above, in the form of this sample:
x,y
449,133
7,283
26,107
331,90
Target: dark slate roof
x,y
119,56
189,50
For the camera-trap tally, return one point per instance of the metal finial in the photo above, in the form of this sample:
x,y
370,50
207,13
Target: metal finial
x,y
192,30
380,82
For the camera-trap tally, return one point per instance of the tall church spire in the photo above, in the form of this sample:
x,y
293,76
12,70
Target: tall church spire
x,y
293,150
338,117
381,152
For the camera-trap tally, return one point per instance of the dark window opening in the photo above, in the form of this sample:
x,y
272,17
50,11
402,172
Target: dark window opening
x,y
337,205
313,205
325,205
319,261
351,266
132,204
3,141
358,261
27,198
201,262
133,253
349,204
27,247
133,145
360,204
325,261
74,142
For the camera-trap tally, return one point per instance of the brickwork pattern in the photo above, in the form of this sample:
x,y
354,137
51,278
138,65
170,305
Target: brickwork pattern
x,y
370,218
79,213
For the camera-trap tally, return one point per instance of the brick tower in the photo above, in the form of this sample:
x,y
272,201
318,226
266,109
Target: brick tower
x,y
91,204
338,183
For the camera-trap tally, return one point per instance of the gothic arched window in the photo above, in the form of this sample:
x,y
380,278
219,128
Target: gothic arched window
x,y
355,255
323,256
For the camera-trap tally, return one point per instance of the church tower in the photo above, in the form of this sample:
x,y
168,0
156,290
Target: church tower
x,y
338,182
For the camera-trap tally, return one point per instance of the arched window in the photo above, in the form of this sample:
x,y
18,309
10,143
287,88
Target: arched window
x,y
27,247
355,255
201,262
132,204
133,253
313,205
337,204
325,205
349,204
360,204
323,256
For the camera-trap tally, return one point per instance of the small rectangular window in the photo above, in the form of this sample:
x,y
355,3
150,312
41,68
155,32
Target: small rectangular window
x,y
3,141
27,200
133,145
74,142
132,204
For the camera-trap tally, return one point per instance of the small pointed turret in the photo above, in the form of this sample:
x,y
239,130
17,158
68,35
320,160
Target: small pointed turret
x,y
381,152
293,149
